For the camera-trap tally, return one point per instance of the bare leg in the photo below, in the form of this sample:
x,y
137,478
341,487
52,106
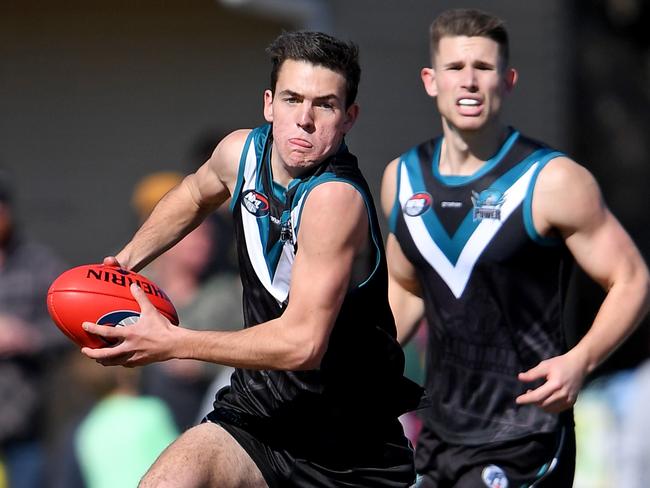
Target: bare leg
x,y
205,456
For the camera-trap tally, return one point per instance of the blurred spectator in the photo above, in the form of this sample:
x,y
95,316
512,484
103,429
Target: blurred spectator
x,y
28,344
602,417
206,296
121,435
634,469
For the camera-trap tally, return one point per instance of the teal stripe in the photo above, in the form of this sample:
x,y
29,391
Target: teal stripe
x,y
397,208
489,164
528,205
242,167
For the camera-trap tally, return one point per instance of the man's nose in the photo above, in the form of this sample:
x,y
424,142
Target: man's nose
x,y
306,117
469,79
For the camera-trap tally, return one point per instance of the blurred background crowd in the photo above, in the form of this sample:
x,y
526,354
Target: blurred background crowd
x,y
105,106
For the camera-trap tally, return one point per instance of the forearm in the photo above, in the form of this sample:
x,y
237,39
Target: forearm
x,y
173,217
620,313
407,309
271,345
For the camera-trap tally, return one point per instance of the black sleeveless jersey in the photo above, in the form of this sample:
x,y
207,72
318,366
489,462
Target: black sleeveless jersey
x,y
492,286
361,374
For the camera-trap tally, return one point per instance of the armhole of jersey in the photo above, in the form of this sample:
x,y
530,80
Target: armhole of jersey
x,y
373,231
394,213
528,204
240,173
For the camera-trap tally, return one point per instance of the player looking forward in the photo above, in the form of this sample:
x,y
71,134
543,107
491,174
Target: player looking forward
x,y
483,223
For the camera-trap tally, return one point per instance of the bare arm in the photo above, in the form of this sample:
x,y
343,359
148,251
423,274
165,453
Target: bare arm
x,y
186,205
403,286
327,247
567,199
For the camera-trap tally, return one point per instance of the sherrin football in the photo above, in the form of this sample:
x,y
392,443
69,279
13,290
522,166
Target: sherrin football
x,y
100,294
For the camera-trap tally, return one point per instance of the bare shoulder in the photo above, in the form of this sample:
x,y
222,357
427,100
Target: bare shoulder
x,y
562,173
336,196
215,180
335,209
566,197
225,158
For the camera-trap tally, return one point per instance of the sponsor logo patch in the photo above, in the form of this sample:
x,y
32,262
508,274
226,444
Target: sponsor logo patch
x,y
418,204
255,203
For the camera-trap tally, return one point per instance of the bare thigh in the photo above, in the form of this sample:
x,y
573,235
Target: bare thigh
x,y
205,456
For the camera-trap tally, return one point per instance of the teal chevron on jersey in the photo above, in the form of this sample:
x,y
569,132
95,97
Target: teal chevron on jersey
x,y
454,256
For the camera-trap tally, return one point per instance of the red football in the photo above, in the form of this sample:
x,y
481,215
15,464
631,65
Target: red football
x,y
100,294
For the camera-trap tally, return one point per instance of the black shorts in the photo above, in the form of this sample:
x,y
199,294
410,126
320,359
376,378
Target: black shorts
x,y
540,460
362,465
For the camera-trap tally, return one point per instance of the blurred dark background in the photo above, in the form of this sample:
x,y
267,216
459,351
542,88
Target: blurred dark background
x,y
94,95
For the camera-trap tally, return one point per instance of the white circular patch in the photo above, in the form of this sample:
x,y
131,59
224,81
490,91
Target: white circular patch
x,y
494,477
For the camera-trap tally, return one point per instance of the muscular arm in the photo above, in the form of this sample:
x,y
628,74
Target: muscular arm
x,y
186,205
327,246
403,286
567,199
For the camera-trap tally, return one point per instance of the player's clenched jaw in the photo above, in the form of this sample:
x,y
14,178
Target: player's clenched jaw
x,y
309,116
468,81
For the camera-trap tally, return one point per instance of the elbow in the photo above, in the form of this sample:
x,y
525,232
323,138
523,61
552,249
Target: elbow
x,y
307,355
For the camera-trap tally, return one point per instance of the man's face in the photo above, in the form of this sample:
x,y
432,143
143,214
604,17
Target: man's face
x,y
468,81
308,114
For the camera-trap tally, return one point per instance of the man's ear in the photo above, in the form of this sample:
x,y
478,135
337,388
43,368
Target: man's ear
x,y
510,79
428,76
351,114
268,105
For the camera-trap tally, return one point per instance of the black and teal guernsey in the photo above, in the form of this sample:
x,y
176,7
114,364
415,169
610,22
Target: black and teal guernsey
x,y
360,381
493,288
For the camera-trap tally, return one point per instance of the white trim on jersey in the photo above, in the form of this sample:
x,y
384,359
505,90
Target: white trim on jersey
x,y
278,285
457,276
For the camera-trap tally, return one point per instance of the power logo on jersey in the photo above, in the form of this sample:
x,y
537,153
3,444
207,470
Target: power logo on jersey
x,y
487,204
418,204
494,477
255,203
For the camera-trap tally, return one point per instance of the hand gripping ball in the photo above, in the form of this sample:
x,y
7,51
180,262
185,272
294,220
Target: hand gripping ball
x,y
100,294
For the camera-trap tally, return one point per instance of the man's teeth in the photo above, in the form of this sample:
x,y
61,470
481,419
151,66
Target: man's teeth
x,y
468,102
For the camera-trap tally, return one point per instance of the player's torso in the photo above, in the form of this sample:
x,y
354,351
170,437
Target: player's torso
x,y
267,224
491,284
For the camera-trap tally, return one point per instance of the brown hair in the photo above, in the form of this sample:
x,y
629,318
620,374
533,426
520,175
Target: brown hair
x,y
470,23
319,49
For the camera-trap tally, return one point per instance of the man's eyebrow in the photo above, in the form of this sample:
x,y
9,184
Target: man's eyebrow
x,y
322,98
291,93
329,97
453,64
483,64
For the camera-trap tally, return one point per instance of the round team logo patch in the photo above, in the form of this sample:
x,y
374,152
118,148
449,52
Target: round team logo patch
x,y
119,318
255,203
494,477
418,204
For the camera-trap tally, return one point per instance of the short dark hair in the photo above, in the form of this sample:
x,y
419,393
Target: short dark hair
x,y
319,49
470,23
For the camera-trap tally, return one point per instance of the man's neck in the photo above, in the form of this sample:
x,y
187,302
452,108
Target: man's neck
x,y
465,152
